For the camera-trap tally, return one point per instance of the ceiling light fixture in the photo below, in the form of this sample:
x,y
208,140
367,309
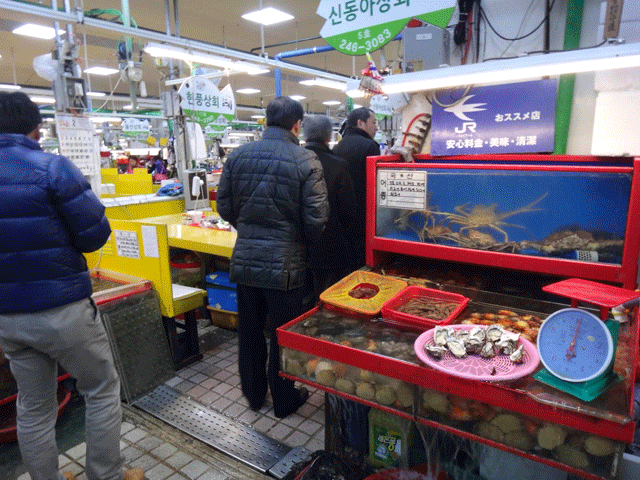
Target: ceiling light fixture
x,y
6,86
104,71
257,116
96,94
36,99
267,16
297,97
331,102
37,31
353,89
248,91
523,68
323,82
178,53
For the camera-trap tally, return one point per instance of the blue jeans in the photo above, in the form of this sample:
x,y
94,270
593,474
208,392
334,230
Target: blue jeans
x,y
73,336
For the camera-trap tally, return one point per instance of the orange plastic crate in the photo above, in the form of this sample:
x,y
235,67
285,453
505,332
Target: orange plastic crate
x,y
340,294
390,309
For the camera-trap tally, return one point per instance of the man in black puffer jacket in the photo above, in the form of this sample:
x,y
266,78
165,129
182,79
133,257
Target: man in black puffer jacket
x,y
273,192
356,145
334,256
48,217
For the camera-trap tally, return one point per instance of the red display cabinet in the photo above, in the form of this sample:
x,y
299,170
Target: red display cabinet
x,y
536,216
553,215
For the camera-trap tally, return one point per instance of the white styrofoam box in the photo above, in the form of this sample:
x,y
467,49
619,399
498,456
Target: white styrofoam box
x,y
615,80
615,126
630,468
108,189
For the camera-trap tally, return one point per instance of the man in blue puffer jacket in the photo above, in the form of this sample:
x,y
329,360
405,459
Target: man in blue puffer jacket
x,y
48,217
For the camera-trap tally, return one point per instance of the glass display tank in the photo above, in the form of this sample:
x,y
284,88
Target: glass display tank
x,y
555,215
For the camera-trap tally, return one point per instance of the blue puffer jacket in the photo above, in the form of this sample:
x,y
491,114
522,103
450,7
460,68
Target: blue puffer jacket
x,y
48,216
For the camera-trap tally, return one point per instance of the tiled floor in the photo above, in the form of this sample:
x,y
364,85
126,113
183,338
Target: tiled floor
x,y
168,454
214,381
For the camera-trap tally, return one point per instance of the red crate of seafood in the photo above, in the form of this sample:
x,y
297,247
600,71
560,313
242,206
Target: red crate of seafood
x,y
424,307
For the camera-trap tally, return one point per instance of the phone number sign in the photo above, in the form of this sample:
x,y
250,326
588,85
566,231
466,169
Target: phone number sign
x,y
357,27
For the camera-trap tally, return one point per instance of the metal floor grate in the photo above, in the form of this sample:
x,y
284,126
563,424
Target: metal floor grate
x,y
222,433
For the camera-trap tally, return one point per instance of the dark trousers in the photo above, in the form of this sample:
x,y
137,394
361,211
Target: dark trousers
x,y
254,305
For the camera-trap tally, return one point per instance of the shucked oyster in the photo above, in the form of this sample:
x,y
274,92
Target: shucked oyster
x,y
518,355
506,346
436,351
487,350
456,347
494,332
477,333
473,345
440,335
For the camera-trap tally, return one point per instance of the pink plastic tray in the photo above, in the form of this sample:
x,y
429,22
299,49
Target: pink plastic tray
x,y
474,366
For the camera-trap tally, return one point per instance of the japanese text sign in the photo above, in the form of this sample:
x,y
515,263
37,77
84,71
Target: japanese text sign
x,y
512,118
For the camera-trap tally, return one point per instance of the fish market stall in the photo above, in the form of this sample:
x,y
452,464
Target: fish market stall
x,y
543,370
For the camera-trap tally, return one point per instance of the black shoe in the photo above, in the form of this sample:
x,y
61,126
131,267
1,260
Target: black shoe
x,y
303,395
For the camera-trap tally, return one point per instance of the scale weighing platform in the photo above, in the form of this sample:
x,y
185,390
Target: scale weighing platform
x,y
576,347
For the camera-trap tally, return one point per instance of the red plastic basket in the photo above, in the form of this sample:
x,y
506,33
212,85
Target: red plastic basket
x,y
390,308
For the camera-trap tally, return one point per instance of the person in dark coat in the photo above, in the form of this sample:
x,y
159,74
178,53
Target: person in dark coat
x,y
273,192
48,217
356,145
334,256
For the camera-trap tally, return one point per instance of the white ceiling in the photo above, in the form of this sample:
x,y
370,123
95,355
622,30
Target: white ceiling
x,y
216,22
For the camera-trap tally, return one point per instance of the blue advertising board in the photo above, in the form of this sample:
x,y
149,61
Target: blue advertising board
x,y
512,118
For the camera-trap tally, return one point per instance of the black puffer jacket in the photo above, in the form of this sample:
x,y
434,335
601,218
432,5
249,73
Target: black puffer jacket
x,y
341,240
273,192
356,145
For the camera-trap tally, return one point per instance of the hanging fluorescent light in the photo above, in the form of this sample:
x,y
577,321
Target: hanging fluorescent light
x,y
331,102
248,91
36,99
297,97
353,89
324,82
104,71
576,61
267,16
37,31
5,86
178,53
105,119
96,94
257,116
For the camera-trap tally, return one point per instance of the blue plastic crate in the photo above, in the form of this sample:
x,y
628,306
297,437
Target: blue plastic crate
x,y
221,292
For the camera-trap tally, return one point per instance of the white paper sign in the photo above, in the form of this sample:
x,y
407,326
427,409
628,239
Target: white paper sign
x,y
127,244
150,241
405,189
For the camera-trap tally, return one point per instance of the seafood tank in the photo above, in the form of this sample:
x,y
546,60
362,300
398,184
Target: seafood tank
x,y
385,364
555,217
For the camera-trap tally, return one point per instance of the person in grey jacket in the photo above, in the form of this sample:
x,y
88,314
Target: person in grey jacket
x,y
334,256
274,193
48,217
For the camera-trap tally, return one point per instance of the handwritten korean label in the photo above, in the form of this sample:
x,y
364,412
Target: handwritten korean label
x,y
356,27
402,189
203,103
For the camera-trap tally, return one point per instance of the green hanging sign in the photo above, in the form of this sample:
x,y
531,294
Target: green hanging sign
x,y
203,103
357,27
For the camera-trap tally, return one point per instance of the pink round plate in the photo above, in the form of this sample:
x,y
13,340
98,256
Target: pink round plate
x,y
496,369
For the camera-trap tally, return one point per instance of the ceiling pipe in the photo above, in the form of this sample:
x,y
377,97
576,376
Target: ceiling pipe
x,y
305,51
37,10
286,43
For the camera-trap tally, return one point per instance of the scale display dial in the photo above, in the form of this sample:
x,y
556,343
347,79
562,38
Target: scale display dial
x,y
575,345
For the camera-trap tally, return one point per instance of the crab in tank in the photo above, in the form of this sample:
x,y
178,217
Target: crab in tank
x,y
480,216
